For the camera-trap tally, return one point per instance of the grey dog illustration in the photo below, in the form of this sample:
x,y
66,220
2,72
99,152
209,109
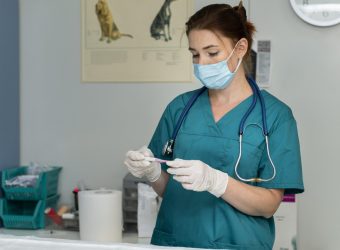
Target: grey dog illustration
x,y
160,26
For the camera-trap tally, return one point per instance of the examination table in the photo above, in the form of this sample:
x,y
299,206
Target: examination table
x,y
13,242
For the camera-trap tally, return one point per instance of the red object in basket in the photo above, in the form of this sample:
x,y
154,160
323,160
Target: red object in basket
x,y
52,214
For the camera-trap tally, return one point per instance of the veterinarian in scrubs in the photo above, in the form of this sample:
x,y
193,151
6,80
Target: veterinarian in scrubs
x,y
207,201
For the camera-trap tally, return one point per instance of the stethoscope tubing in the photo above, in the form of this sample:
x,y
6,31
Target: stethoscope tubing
x,y
185,111
168,148
255,179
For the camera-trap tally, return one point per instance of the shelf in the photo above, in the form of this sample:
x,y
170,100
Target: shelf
x,y
131,198
130,221
130,209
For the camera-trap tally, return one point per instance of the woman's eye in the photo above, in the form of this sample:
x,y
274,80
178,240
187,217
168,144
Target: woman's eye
x,y
195,56
213,54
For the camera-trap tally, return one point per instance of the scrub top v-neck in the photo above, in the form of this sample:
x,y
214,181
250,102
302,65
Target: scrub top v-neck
x,y
199,219
228,117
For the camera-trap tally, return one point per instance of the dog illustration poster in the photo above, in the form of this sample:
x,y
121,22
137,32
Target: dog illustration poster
x,y
135,41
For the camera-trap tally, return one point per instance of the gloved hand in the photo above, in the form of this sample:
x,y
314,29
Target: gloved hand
x,y
197,176
139,167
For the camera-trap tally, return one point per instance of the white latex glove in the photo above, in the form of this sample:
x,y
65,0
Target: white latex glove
x,y
198,176
139,167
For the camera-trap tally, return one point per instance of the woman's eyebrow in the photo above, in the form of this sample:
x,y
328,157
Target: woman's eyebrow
x,y
206,47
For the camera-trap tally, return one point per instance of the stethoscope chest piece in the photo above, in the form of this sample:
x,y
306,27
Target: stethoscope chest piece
x,y
168,148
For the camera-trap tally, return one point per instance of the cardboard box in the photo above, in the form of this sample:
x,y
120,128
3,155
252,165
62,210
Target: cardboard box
x,y
286,224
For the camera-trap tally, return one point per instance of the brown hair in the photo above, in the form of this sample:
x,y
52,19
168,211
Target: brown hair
x,y
228,21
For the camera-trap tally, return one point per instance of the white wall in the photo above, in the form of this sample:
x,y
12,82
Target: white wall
x,y
306,75
87,128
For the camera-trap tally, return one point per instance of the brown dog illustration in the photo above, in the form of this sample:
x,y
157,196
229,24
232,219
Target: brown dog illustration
x,y
108,27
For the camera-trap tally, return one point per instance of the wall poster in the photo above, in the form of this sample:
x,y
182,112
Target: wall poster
x,y
135,41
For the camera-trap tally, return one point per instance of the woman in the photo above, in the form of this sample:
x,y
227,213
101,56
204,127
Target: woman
x,y
213,195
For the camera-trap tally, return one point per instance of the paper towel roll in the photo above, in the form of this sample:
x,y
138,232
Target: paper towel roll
x,y
100,215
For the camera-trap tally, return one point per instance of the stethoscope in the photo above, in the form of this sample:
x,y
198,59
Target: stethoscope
x,y
169,145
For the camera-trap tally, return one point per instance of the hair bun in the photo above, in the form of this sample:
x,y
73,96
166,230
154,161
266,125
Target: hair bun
x,y
241,11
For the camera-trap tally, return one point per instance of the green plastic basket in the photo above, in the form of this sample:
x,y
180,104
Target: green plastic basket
x,y
46,185
26,214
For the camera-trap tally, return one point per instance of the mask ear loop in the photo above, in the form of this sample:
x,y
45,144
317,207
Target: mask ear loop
x,y
239,60
238,65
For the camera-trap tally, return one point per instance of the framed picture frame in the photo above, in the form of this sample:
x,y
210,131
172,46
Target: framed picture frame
x,y
135,41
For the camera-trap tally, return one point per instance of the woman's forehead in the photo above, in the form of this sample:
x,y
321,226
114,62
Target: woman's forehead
x,y
201,38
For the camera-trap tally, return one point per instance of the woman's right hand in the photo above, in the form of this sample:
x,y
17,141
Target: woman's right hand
x,y
139,167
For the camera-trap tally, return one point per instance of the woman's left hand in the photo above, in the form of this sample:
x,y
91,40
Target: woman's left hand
x,y
197,176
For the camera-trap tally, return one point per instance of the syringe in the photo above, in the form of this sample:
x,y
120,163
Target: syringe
x,y
154,159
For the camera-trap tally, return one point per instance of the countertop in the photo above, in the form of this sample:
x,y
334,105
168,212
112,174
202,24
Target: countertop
x,y
69,235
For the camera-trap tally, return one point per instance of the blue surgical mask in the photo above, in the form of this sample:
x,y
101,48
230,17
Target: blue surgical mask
x,y
217,75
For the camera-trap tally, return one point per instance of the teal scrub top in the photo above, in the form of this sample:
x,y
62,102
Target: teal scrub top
x,y
198,219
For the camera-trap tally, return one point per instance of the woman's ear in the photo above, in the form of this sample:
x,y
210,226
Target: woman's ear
x,y
241,47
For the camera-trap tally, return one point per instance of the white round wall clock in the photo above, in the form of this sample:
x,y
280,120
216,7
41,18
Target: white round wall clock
x,y
318,12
